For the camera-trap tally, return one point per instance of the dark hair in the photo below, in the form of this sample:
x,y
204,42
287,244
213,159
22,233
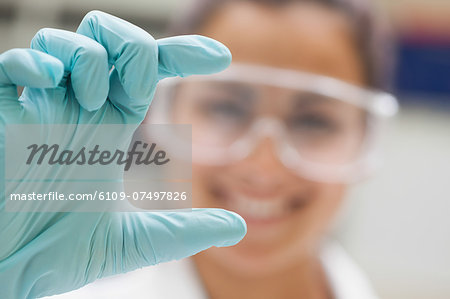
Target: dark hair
x,y
372,37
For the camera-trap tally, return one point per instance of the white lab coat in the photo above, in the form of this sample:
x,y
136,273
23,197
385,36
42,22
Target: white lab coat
x,y
178,279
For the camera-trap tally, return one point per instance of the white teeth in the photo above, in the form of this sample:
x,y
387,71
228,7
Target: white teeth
x,y
257,208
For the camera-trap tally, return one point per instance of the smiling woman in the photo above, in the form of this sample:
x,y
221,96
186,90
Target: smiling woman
x,y
279,138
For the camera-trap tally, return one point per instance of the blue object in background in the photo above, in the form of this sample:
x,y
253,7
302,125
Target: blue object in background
x,y
424,68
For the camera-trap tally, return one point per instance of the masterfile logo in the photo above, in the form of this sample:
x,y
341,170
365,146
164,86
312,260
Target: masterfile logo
x,y
52,155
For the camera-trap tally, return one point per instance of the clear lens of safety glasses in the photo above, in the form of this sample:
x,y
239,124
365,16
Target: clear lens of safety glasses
x,y
324,129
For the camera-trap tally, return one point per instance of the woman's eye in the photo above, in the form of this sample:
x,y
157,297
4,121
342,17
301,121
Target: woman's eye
x,y
313,124
226,110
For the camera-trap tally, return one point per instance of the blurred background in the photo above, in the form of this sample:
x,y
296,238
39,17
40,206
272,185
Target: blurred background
x,y
397,224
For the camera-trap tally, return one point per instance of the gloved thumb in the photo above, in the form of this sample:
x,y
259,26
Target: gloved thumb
x,y
153,238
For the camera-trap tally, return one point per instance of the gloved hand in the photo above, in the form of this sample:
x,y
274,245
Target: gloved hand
x,y
68,80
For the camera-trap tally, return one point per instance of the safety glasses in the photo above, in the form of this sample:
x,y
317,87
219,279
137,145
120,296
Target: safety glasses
x,y
322,128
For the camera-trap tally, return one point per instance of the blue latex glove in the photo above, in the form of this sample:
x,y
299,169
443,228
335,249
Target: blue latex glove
x,y
50,253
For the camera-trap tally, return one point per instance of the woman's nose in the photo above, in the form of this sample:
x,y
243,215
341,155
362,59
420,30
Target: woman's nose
x,y
263,168
264,156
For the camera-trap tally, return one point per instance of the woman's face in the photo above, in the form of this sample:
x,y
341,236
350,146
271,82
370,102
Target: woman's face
x,y
285,213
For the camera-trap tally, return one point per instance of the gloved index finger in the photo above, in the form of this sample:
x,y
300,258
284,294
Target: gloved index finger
x,y
132,51
191,54
141,61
